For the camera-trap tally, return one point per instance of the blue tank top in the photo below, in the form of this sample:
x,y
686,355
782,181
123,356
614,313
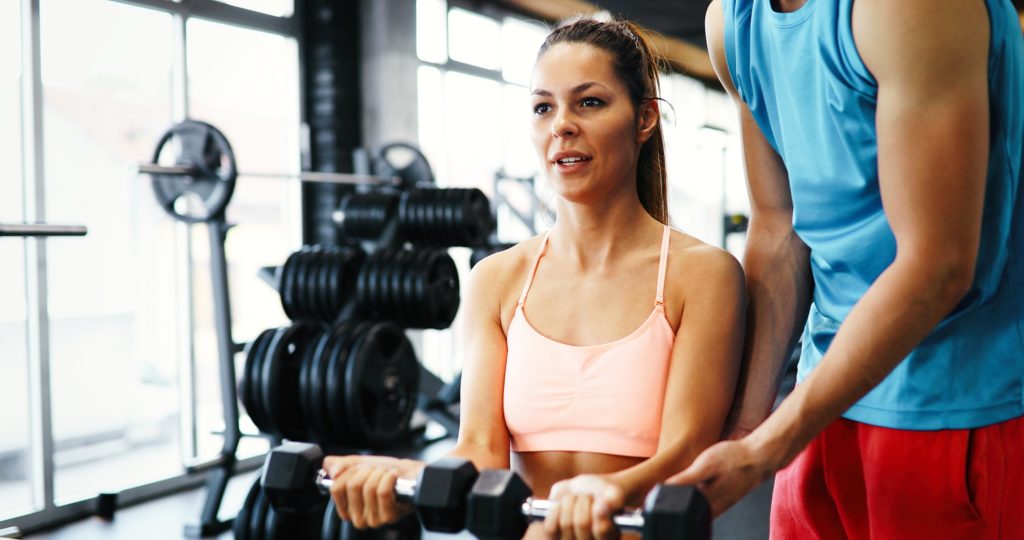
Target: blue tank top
x,y
812,97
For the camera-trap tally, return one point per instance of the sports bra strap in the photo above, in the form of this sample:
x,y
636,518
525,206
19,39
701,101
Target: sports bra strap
x,y
533,269
660,299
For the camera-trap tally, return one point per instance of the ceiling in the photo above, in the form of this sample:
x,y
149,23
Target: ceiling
x,y
683,19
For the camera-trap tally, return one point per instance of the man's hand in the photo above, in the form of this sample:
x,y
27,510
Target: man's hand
x,y
726,472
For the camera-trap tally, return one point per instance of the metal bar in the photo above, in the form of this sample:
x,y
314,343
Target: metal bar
x,y
627,521
305,176
41,229
35,256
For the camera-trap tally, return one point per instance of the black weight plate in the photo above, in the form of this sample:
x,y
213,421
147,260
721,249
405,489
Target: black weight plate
x,y
318,388
430,223
403,215
353,261
243,382
335,398
444,279
312,296
283,284
411,306
255,374
376,296
416,172
241,524
422,286
258,517
292,291
281,380
299,285
331,290
407,528
335,429
316,344
478,217
381,384
332,523
323,285
399,270
271,524
207,150
369,297
387,276
266,391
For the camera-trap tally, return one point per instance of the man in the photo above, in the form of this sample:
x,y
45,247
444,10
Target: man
x,y
882,144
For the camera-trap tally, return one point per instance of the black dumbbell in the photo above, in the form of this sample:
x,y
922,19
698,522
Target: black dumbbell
x,y
501,507
294,482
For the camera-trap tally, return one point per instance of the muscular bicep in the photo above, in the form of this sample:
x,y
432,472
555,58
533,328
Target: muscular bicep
x,y
929,58
706,354
482,420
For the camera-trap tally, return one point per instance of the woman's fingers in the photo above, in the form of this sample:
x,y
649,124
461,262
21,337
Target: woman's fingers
x,y
353,485
581,517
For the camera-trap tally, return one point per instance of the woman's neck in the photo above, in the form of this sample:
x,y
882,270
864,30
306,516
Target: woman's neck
x,y
593,235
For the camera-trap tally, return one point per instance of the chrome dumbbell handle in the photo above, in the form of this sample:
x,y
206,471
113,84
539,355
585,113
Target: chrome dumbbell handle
x,y
628,521
405,488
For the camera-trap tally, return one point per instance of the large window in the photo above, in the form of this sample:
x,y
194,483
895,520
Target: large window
x,y
123,329
243,82
15,437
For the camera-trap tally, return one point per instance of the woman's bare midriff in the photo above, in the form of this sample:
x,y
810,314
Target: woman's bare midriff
x,y
542,469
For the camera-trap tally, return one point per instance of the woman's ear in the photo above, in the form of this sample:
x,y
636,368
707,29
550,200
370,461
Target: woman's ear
x,y
647,119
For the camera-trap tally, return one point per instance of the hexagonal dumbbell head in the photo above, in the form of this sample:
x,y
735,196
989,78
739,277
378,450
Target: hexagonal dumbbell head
x,y
495,506
676,512
289,477
441,491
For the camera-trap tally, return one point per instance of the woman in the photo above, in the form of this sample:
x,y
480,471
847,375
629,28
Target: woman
x,y
578,340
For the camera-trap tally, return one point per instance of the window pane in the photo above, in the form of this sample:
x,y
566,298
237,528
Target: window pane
x,y
431,30
474,39
112,295
246,83
277,8
520,41
15,486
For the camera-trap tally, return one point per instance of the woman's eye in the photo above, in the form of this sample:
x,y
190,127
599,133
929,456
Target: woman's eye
x,y
591,102
541,108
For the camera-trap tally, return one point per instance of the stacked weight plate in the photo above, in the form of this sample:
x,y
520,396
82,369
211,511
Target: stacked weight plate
x,y
256,520
444,217
353,385
366,215
407,528
416,289
316,282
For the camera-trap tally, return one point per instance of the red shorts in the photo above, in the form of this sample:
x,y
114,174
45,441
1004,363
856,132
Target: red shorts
x,y
859,481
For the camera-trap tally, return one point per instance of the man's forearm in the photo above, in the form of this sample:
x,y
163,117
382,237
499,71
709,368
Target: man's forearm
x,y
779,287
898,311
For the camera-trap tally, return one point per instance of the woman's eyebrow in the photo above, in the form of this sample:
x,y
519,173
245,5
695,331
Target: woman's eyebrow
x,y
575,90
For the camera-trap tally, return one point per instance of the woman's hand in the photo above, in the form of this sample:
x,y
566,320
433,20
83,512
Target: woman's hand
x,y
583,508
363,488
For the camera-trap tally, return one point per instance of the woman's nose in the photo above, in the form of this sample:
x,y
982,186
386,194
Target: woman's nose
x,y
564,125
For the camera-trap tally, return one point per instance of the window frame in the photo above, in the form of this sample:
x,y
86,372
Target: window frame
x,y
45,512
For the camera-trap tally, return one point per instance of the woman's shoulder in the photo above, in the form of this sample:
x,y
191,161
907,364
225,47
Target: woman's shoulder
x,y
695,263
497,273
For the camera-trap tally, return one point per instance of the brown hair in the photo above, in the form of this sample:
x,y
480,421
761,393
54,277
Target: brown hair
x,y
637,65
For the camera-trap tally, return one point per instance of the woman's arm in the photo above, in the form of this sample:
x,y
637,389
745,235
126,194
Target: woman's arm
x,y
703,371
483,437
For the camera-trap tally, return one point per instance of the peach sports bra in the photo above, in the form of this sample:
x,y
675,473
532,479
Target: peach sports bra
x,y
603,398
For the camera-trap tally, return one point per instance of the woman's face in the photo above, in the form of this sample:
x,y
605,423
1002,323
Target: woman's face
x,y
585,128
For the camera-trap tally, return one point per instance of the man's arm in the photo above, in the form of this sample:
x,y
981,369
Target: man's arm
x,y
776,261
929,58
